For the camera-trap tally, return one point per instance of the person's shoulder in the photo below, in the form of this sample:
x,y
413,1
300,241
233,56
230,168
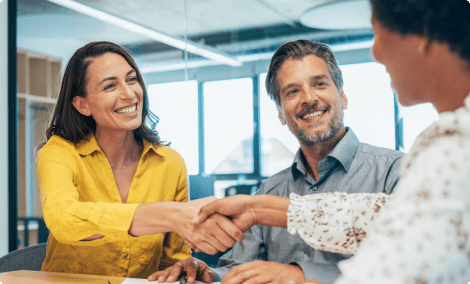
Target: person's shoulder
x,y
277,183
57,144
167,154
367,149
166,151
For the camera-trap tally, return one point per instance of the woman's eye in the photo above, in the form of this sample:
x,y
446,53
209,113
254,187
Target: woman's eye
x,y
109,86
133,79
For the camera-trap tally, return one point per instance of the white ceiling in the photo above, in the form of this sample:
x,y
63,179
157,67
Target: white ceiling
x,y
50,29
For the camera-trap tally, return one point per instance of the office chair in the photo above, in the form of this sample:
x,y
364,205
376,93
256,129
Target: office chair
x,y
28,258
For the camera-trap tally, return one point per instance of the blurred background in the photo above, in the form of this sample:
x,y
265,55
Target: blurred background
x,y
204,63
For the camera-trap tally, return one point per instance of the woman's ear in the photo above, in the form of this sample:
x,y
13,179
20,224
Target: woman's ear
x,y
81,105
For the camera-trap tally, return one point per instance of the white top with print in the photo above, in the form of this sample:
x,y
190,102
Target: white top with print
x,y
423,233
334,221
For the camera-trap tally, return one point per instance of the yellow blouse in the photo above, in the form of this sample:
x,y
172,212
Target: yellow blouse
x,y
80,198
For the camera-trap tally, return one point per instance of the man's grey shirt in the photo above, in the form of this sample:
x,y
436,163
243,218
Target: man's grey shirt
x,y
351,167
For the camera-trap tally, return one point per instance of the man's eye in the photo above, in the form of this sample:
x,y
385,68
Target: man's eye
x,y
109,86
320,84
291,92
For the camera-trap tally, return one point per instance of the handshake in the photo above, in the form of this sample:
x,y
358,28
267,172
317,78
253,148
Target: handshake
x,y
219,224
216,225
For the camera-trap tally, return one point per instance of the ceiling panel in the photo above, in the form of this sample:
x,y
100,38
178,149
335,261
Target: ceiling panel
x,y
234,25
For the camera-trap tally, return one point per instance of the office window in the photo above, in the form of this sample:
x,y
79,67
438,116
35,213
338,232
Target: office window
x,y
370,111
176,105
415,120
278,144
228,126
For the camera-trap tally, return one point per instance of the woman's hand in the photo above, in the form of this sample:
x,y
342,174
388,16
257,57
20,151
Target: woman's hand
x,y
218,233
194,268
236,207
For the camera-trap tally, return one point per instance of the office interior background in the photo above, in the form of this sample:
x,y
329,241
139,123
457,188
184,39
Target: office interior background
x,y
204,63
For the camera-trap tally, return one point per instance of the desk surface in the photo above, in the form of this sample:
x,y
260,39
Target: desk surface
x,y
41,277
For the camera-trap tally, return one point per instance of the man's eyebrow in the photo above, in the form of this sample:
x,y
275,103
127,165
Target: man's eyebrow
x,y
114,78
319,77
287,87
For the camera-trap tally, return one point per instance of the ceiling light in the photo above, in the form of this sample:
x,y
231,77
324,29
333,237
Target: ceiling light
x,y
196,63
192,47
345,14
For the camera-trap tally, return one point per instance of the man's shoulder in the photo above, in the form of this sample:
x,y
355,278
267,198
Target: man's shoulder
x,y
367,149
277,184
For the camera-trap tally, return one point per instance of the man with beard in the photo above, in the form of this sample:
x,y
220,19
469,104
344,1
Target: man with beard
x,y
306,83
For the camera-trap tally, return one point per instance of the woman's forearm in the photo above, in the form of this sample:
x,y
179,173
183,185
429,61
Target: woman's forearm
x,y
270,210
158,217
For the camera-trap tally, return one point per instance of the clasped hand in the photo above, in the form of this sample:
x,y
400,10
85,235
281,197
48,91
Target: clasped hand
x,y
212,232
218,225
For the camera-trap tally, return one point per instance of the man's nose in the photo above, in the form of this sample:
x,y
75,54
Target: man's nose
x,y
309,96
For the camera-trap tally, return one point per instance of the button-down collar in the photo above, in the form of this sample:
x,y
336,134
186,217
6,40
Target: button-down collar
x,y
88,145
343,152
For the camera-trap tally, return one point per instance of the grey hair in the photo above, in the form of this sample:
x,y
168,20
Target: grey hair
x,y
297,50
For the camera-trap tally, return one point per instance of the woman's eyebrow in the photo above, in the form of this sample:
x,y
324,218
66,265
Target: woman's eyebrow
x,y
114,78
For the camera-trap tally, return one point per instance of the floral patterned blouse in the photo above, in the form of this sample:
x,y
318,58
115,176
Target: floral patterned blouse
x,y
423,233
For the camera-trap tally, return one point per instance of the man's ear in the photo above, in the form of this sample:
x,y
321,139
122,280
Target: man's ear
x,y
281,116
344,100
81,105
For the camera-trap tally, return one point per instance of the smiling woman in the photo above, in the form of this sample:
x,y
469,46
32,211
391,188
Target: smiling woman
x,y
111,192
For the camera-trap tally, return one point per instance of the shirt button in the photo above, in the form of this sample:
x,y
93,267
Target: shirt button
x,y
115,235
314,188
126,256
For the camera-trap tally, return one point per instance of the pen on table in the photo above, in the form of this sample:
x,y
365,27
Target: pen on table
x,y
182,279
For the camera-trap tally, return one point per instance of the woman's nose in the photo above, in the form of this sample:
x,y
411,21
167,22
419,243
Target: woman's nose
x,y
127,92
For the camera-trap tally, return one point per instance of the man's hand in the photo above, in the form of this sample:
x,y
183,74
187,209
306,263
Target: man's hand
x,y
236,207
217,233
194,268
265,272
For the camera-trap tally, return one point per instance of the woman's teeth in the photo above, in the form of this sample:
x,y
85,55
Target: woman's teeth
x,y
313,114
127,110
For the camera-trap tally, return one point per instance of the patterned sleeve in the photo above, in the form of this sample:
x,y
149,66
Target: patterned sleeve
x,y
423,235
334,222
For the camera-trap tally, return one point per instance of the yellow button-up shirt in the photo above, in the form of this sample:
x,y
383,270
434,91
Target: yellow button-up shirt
x,y
80,198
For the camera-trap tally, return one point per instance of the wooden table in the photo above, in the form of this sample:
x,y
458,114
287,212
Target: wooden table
x,y
41,277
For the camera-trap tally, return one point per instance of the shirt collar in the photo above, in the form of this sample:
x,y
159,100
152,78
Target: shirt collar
x,y
344,152
467,102
88,145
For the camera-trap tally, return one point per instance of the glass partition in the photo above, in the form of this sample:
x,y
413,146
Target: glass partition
x,y
228,126
176,106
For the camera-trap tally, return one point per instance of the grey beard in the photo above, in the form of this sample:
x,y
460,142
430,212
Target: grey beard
x,y
308,139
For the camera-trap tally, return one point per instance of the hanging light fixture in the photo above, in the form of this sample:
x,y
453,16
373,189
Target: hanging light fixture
x,y
338,15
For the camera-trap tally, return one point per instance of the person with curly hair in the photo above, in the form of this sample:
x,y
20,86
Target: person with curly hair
x,y
422,235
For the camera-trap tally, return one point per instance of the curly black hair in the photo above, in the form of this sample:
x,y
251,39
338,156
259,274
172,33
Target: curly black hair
x,y
443,21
